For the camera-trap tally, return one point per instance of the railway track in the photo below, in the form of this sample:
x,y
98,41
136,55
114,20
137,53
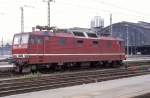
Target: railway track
x,y
147,95
23,85
10,74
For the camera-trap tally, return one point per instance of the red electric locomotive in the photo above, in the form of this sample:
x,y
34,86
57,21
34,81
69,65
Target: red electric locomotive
x,y
64,48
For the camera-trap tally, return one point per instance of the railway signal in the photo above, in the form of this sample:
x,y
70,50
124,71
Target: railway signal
x,y
111,25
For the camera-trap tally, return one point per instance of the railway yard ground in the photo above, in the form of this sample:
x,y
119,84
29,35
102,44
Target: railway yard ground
x,y
119,88
133,82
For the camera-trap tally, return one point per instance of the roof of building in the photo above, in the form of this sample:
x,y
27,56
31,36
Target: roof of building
x,y
140,25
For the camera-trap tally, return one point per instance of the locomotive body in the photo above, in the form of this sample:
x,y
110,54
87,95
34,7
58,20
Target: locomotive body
x,y
63,48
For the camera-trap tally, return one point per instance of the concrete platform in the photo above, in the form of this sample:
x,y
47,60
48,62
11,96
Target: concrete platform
x,y
143,59
5,66
119,88
2,57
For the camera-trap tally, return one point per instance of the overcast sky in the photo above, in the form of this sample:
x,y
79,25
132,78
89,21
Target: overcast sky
x,y
68,13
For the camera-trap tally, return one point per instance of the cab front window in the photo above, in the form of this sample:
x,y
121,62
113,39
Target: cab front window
x,y
17,39
21,39
24,39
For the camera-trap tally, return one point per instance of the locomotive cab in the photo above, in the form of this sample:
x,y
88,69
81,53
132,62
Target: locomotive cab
x,y
23,44
20,45
27,49
20,48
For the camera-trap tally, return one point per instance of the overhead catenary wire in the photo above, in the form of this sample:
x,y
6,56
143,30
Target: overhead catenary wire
x,y
108,11
96,9
138,13
120,7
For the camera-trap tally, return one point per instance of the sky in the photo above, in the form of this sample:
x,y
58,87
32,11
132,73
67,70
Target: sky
x,y
68,13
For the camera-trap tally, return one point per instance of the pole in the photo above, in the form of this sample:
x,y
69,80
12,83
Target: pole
x,y
111,24
22,19
2,47
48,14
127,40
127,44
2,40
22,16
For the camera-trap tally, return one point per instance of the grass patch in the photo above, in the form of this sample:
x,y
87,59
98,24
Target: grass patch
x,y
32,76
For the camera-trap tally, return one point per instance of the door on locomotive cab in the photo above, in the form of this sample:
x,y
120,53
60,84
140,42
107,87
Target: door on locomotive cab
x,y
40,44
40,48
37,48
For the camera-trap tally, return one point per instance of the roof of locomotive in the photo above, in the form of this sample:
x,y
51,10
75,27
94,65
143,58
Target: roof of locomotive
x,y
67,34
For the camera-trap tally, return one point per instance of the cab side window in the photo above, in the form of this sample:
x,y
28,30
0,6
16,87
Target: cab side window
x,y
39,40
36,40
32,40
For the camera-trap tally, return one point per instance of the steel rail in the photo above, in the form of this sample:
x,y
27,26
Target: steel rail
x,y
50,82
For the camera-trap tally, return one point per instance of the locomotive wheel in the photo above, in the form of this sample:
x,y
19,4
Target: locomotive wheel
x,y
78,65
94,64
106,64
18,69
64,67
33,68
58,67
26,69
116,64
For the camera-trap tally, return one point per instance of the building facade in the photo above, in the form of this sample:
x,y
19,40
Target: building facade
x,y
137,35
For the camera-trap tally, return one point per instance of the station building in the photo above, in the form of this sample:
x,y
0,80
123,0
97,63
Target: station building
x,y
138,35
